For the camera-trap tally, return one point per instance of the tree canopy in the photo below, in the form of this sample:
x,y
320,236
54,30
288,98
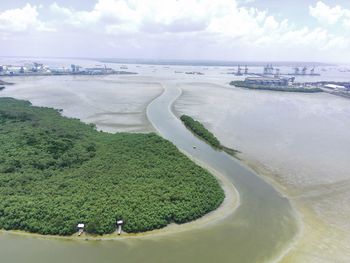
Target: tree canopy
x,y
199,129
56,172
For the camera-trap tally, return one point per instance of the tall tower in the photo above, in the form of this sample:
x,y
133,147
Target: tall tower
x,y
296,71
304,70
266,70
312,71
277,72
239,70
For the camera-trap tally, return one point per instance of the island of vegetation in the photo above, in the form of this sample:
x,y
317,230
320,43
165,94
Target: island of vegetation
x,y
56,172
198,129
243,84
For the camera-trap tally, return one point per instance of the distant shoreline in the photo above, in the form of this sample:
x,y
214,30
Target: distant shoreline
x,y
67,74
218,63
241,84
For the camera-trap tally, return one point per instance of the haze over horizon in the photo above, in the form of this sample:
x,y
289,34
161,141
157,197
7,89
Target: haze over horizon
x,y
226,30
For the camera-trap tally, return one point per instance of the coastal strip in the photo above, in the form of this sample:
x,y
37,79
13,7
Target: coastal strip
x,y
242,84
203,133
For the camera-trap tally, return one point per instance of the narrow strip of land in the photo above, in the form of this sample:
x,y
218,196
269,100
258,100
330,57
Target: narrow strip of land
x,y
242,84
198,129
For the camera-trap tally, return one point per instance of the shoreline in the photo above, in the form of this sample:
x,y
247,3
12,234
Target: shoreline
x,y
310,239
242,84
268,178
316,239
265,175
227,207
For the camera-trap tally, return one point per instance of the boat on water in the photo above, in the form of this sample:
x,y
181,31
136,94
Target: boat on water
x,y
194,73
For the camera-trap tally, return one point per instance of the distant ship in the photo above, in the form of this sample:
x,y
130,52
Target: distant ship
x,y
195,73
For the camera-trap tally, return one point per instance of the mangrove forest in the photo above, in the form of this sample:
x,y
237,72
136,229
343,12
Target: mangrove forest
x,y
56,172
198,129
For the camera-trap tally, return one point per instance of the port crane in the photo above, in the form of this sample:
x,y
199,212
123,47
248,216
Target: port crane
x,y
277,72
239,71
246,70
296,71
312,71
268,70
304,70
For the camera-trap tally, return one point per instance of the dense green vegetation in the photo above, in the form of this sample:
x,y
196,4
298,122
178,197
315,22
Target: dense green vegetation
x,y
198,128
242,84
56,172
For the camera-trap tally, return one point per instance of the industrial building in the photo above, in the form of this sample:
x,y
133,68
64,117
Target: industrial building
x,y
263,81
36,69
336,87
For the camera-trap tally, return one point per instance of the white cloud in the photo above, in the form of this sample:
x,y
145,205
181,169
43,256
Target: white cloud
x,y
21,19
207,26
346,22
223,20
330,15
136,15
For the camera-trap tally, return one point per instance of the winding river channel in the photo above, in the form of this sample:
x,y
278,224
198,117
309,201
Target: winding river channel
x,y
261,229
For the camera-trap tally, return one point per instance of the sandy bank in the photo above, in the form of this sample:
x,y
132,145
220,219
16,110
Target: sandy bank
x,y
112,105
227,207
318,241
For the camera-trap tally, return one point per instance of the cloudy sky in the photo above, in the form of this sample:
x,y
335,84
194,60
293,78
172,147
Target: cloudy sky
x,y
254,30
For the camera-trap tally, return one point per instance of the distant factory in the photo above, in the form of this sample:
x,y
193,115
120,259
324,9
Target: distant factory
x,y
38,69
23,69
336,87
240,71
99,71
270,70
303,72
269,81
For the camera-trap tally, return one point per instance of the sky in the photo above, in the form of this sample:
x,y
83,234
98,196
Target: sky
x,y
232,30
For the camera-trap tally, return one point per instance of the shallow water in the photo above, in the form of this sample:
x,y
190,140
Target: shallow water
x,y
106,101
301,141
260,230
